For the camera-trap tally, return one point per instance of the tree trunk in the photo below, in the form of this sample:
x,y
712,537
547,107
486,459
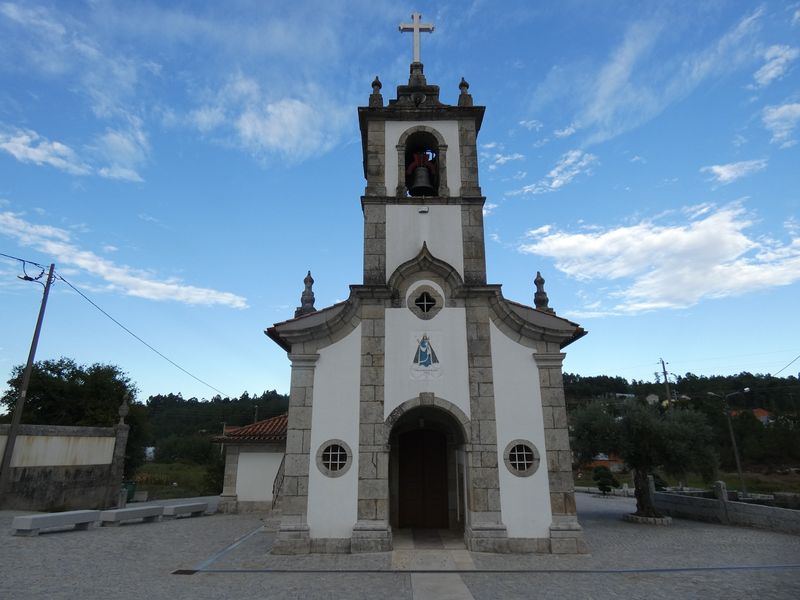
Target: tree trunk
x,y
645,503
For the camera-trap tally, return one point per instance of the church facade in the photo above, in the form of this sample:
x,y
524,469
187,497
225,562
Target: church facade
x,y
426,399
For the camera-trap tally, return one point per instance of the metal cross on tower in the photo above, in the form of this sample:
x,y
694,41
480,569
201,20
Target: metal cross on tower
x,y
416,27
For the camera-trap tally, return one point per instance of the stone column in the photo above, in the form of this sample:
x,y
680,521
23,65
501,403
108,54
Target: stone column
x,y
473,242
372,532
467,140
566,534
228,498
374,241
375,159
484,530
293,534
116,470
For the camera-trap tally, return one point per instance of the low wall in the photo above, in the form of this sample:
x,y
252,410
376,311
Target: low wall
x,y
64,468
722,510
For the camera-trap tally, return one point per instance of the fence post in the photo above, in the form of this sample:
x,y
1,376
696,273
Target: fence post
x,y
117,466
721,493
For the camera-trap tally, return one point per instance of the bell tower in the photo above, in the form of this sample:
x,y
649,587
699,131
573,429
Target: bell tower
x,y
421,167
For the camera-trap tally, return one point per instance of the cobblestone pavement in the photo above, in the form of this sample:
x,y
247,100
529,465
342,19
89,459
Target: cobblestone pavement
x,y
227,556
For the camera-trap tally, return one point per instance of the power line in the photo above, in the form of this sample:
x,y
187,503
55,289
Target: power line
x,y
22,260
85,297
789,365
169,360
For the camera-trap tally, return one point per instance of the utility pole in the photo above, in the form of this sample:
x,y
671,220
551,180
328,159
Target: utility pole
x,y
5,467
666,382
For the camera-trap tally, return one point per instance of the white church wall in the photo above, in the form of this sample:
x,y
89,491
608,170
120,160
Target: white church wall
x,y
447,332
332,501
255,475
524,501
448,130
407,228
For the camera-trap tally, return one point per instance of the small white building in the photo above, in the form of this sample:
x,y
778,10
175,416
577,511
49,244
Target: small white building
x,y
253,460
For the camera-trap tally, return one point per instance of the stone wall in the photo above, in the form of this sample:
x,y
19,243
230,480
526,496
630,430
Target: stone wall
x,y
722,510
87,475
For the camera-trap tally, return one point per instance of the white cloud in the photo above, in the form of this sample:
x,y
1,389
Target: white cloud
x,y
725,174
778,59
781,121
59,244
566,132
501,159
29,147
672,265
531,124
488,208
489,145
636,158
125,149
796,17
293,128
636,83
572,164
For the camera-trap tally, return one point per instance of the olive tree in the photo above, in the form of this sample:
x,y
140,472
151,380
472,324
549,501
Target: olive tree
x,y
646,438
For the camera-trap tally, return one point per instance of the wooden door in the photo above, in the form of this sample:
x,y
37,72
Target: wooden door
x,y
423,479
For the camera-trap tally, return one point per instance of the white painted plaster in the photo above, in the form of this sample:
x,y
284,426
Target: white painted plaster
x,y
407,228
255,475
60,450
448,334
333,501
412,289
447,129
524,501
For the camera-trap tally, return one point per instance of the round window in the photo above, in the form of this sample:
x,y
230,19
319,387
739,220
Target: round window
x,y
521,458
425,302
334,458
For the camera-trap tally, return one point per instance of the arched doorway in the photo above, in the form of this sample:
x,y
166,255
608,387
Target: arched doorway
x,y
426,470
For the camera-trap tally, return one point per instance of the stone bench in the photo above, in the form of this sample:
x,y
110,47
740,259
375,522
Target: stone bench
x,y
27,525
110,518
193,509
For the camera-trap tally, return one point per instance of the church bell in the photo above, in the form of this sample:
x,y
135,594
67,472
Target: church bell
x,y
421,183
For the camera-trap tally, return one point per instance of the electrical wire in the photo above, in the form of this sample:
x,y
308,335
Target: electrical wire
x,y
85,297
789,365
22,260
169,360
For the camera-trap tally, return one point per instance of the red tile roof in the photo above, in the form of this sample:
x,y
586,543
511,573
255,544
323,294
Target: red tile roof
x,y
268,430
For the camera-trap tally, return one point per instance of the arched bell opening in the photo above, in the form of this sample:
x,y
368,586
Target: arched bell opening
x,y
427,470
422,160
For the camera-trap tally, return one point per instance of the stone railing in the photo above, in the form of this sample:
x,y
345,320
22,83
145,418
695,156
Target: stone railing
x,y
719,509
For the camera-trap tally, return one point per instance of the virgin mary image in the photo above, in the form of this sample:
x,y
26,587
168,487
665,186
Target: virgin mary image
x,y
425,356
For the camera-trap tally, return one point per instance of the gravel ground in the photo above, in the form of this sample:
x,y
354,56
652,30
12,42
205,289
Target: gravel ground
x,y
686,560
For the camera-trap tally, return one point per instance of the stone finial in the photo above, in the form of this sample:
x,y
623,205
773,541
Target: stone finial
x,y
375,98
540,299
306,298
465,98
124,409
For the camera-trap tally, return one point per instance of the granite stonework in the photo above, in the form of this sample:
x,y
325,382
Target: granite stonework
x,y
54,487
472,435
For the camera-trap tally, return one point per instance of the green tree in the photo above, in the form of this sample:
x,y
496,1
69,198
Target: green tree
x,y
675,441
604,479
62,392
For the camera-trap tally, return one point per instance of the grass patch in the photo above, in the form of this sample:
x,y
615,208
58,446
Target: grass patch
x,y
173,480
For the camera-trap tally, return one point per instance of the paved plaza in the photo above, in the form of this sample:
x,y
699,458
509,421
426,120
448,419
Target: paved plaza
x,y
225,556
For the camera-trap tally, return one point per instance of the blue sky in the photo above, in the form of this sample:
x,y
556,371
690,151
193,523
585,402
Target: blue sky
x,y
185,165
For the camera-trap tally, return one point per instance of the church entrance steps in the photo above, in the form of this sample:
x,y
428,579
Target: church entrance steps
x,y
430,549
